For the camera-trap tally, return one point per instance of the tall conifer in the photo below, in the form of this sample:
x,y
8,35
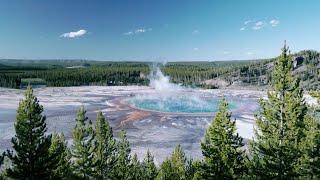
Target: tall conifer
x,y
149,168
83,147
222,148
136,170
280,124
106,150
123,158
30,159
62,157
174,167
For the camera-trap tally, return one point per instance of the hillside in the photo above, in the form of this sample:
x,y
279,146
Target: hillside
x,y
243,73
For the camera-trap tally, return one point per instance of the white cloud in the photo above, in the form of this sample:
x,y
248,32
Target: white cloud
x,y
258,25
274,22
247,22
195,49
75,34
226,52
195,31
140,31
137,31
128,33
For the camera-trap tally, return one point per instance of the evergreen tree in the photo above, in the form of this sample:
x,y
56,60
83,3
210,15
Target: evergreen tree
x,y
83,147
149,168
105,152
62,157
190,169
135,169
224,157
166,171
280,125
1,159
174,167
310,161
122,169
30,159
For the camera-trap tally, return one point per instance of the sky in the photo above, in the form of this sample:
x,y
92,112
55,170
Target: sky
x,y
149,30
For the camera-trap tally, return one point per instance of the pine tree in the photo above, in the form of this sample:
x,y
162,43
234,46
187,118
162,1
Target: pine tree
x,y
190,169
310,160
224,157
106,150
174,167
122,169
30,159
149,168
166,171
280,125
135,169
83,147
62,157
1,159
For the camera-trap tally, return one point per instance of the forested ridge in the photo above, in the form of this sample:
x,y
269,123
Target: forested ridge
x,y
215,74
286,143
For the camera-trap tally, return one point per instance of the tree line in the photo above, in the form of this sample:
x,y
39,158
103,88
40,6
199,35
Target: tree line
x,y
285,146
250,72
105,74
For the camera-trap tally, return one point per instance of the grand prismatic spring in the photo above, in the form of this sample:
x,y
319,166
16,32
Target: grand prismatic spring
x,y
156,117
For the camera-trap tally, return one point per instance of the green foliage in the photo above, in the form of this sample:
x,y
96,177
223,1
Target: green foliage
x,y
222,148
281,125
309,165
1,158
83,148
149,168
136,169
105,154
62,157
30,159
81,72
123,160
77,74
175,167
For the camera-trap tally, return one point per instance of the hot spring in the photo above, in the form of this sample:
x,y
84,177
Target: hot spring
x,y
180,104
173,98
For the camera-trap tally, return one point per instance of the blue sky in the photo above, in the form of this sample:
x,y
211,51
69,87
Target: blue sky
x,y
169,30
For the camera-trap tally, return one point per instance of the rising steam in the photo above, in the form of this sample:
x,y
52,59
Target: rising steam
x,y
160,82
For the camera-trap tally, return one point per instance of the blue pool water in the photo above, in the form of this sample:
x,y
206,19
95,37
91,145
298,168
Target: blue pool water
x,y
180,104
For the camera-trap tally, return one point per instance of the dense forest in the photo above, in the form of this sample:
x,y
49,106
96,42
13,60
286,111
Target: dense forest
x,y
286,143
215,74
64,73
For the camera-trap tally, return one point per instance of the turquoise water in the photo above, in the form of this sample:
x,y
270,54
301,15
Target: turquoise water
x,y
179,104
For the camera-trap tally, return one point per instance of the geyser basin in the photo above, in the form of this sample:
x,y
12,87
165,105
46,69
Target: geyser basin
x,y
180,104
